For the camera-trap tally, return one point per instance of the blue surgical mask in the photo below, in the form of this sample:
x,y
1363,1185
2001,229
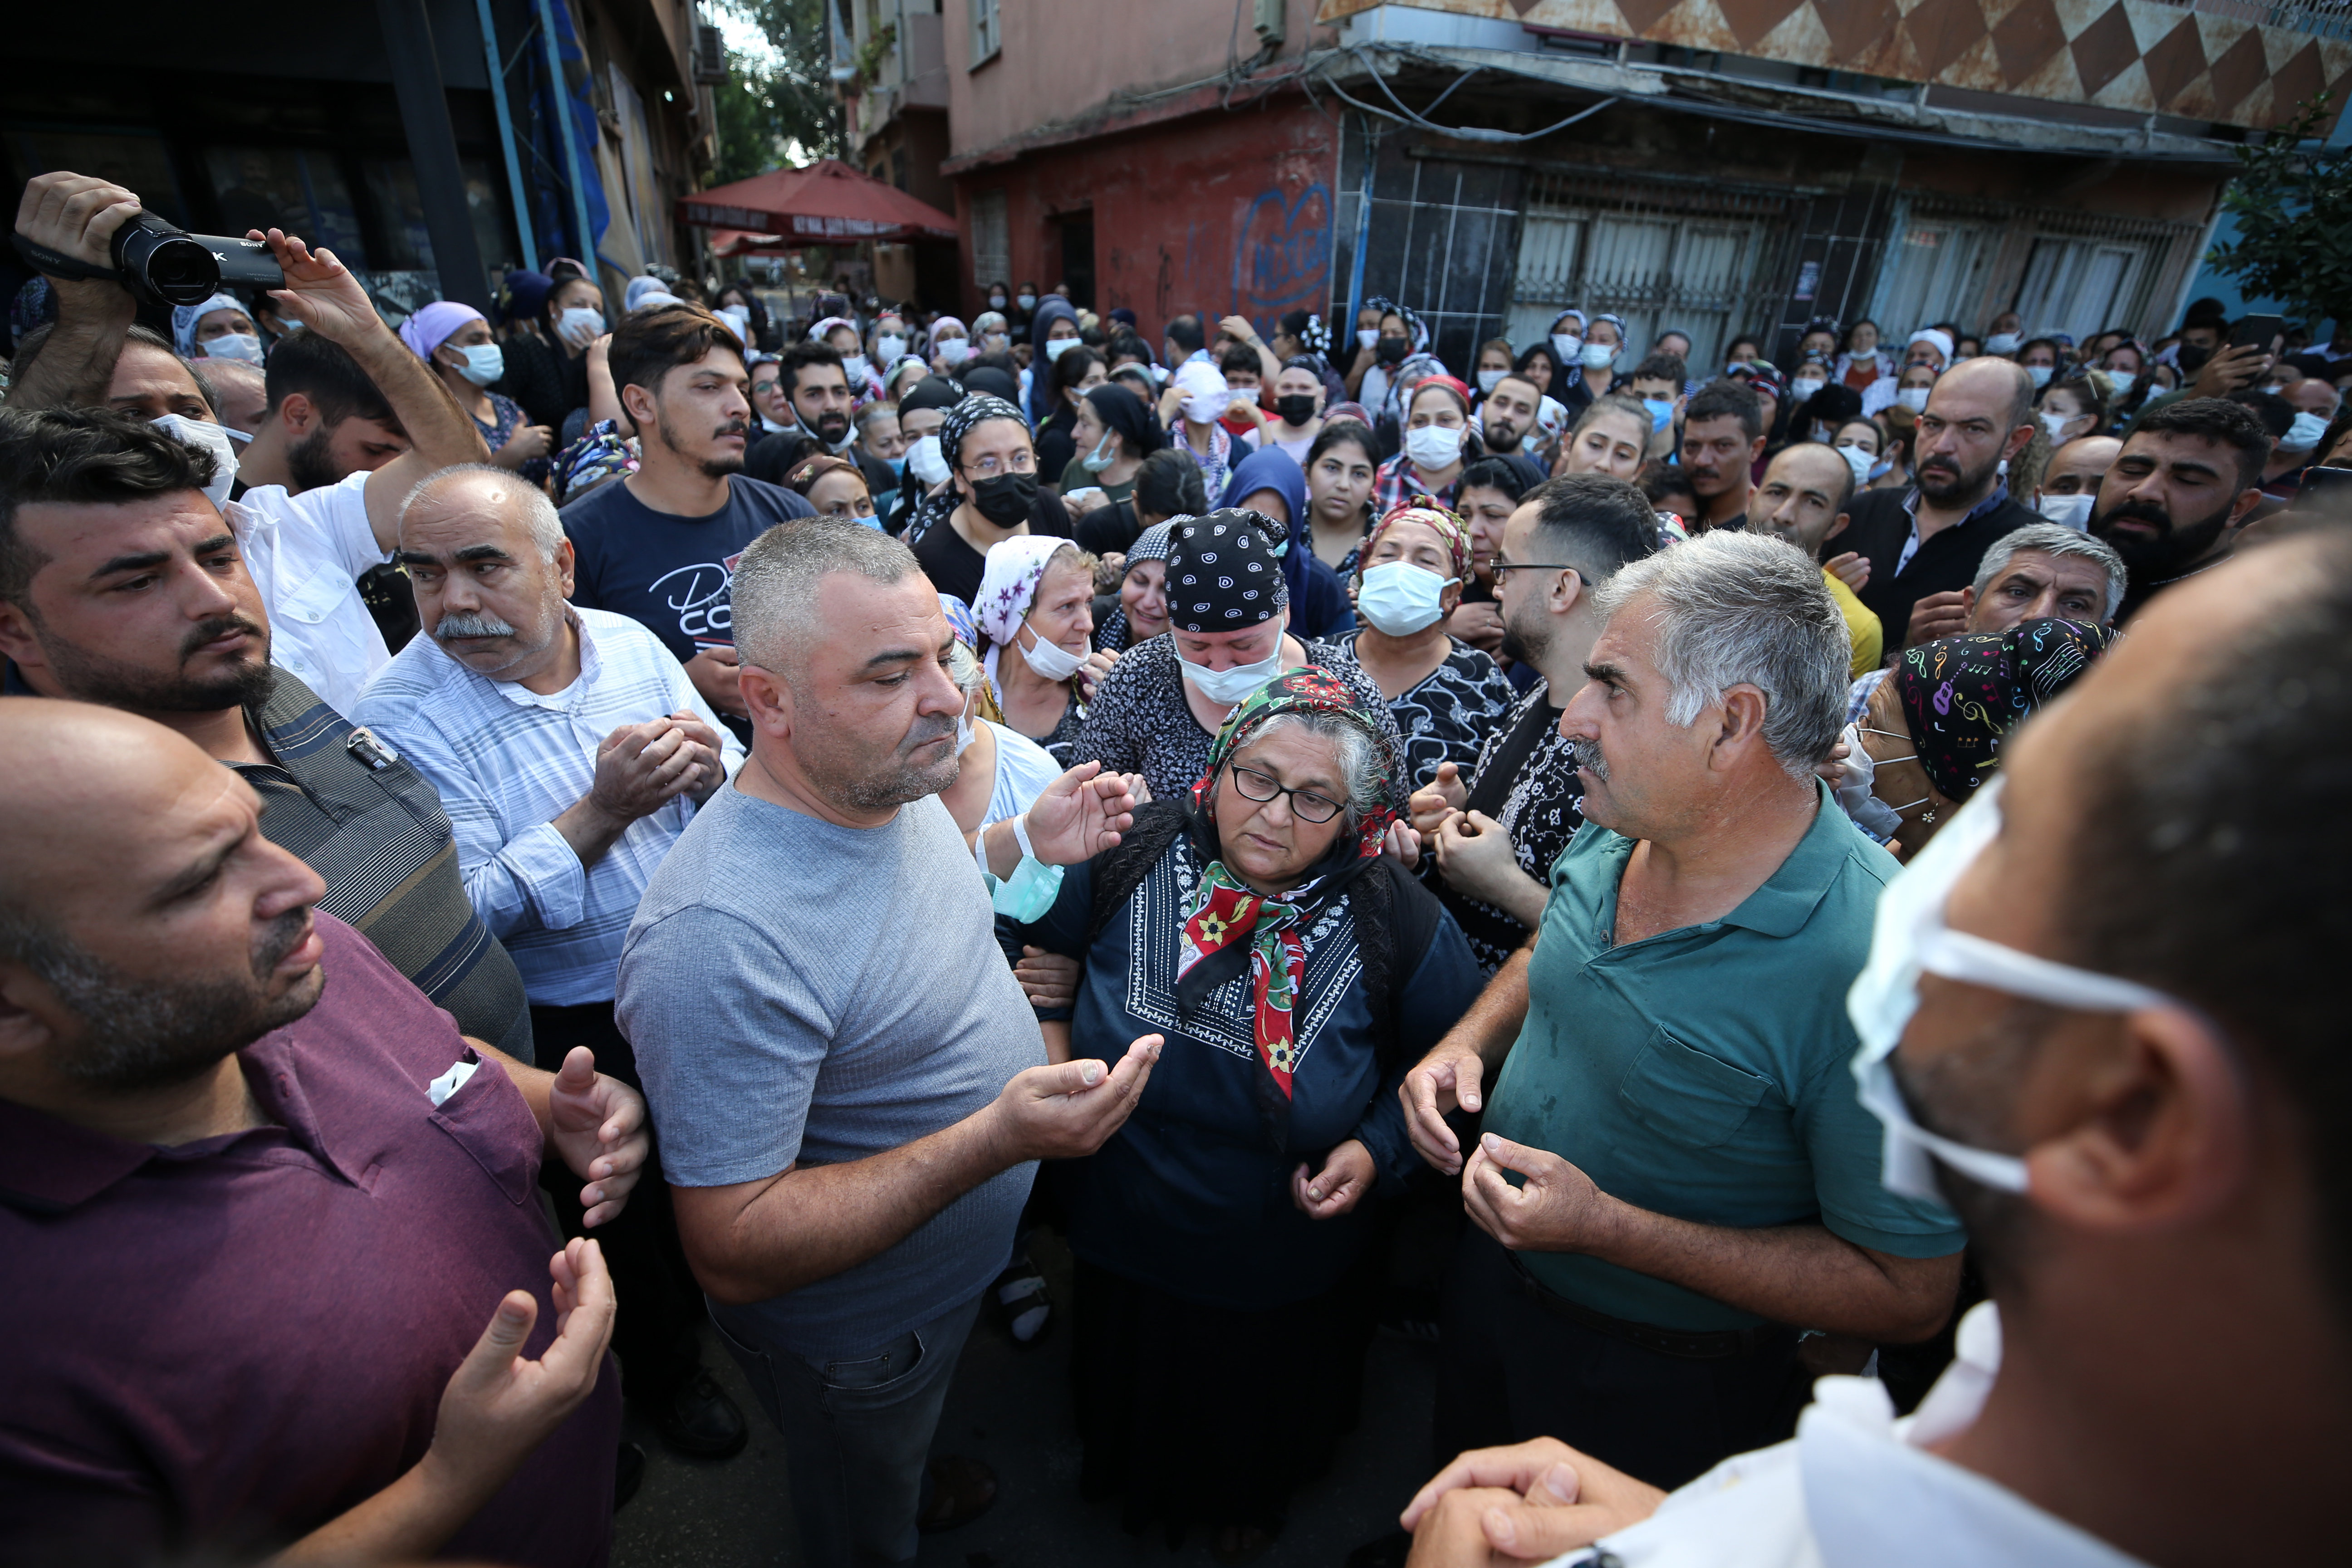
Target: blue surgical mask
x,y
2123,381
1227,688
1598,356
897,467
2039,375
1399,598
1662,412
1056,347
2002,344
1030,891
578,322
485,362
2303,434
2067,512
1860,461
1098,460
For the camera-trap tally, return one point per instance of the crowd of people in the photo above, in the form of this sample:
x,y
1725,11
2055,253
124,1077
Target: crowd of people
x,y
692,828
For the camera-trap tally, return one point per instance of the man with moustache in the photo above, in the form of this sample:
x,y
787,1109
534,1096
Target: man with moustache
x,y
815,386
2175,497
1929,538
660,546
1507,415
1723,434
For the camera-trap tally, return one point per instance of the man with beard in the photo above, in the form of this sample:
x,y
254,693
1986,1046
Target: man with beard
x,y
660,546
2173,499
854,1090
1928,539
1506,417
2128,1079
814,384
120,584
1494,835
1697,1182
570,751
1723,434
262,1198
356,421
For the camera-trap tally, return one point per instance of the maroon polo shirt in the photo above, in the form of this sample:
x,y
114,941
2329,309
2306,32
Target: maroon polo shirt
x,y
230,1342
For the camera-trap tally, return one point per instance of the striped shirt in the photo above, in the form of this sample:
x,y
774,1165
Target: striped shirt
x,y
509,761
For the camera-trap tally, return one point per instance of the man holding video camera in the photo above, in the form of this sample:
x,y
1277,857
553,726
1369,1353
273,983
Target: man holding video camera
x,y
306,551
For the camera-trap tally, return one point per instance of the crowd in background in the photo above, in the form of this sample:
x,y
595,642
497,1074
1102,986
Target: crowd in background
x,y
781,813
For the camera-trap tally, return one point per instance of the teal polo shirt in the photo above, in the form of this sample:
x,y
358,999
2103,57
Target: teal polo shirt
x,y
1703,1073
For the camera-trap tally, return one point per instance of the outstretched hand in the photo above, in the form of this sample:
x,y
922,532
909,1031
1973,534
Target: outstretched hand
x,y
1070,1109
498,1406
1080,815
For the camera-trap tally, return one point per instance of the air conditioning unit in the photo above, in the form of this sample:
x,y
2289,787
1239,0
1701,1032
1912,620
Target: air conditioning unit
x,y
709,56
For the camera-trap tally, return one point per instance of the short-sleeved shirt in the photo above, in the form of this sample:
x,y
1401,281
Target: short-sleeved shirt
x,y
1704,1072
232,1342
307,553
673,576
799,991
1863,633
1449,714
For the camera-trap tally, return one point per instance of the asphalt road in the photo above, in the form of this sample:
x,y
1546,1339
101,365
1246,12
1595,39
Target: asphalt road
x,y
1010,1408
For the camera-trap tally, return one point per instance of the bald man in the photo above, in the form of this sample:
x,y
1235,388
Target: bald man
x,y
271,1198
1930,537
1803,500
570,750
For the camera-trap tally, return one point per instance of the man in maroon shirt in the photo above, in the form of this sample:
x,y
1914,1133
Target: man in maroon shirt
x,y
258,1198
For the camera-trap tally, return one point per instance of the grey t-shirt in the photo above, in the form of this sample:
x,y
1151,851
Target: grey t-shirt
x,y
797,991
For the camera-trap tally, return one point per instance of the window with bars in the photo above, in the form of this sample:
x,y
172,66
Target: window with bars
x,y
1935,269
1665,256
987,31
991,243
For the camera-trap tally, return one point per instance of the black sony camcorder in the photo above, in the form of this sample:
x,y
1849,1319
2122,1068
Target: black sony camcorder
x,y
163,263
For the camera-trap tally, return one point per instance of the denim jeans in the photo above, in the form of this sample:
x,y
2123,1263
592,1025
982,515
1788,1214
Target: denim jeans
x,y
858,1430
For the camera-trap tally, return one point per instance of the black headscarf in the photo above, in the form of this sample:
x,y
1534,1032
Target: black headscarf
x,y
1122,411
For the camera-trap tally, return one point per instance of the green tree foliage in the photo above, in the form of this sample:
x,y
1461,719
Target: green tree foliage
x,y
784,110
2292,199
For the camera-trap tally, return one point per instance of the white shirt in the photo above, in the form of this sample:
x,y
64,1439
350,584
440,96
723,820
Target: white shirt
x,y
1857,1489
1023,769
306,553
508,760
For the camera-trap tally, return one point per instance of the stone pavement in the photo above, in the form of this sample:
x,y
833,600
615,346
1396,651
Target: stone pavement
x,y
1011,1407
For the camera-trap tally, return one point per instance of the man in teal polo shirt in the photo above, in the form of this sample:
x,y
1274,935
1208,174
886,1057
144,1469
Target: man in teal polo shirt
x,y
1675,1176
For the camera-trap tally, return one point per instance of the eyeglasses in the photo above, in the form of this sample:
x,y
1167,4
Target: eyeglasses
x,y
1503,566
1305,804
1021,462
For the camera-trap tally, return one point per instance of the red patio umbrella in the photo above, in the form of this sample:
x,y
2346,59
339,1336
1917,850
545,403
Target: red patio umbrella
x,y
826,200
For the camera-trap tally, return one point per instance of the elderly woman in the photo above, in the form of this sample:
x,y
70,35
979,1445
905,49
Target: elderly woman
x,y
1221,1237
1935,726
836,487
950,341
1158,713
1138,612
217,328
1036,601
1446,696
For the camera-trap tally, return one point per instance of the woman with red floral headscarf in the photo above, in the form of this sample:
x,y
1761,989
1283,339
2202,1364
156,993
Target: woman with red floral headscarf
x,y
1221,1237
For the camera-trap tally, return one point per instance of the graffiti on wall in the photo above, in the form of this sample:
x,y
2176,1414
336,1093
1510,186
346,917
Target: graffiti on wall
x,y
1282,253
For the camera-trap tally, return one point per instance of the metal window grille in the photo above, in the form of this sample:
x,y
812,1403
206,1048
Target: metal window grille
x,y
991,244
1704,258
2059,269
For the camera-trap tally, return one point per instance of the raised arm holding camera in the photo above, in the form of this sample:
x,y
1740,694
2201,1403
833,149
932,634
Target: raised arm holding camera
x,y
101,252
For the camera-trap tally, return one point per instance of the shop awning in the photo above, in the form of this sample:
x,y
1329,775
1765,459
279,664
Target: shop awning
x,y
827,201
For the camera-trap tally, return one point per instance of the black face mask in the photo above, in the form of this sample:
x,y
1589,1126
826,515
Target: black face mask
x,y
1296,408
1391,351
1005,498
2192,357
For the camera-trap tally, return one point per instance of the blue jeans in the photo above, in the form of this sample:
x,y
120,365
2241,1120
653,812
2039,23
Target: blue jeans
x,y
858,1430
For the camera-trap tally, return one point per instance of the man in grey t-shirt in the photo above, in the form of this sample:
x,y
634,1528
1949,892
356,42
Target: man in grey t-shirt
x,y
849,1089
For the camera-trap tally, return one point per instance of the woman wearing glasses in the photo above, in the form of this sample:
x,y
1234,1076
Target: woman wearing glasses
x,y
991,495
1221,1237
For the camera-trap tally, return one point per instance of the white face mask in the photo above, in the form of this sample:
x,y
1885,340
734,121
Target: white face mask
x,y
853,368
1056,347
2123,381
967,731
213,439
954,350
1026,301
771,427
1598,356
1048,659
2305,433
889,348
245,346
1225,688
926,462
1914,398
1860,461
1801,390
740,315
1490,379
485,362
2067,512
1368,337
1909,939
1208,407
580,325
996,301
2056,423
2002,344
1242,395
1401,598
2039,375
1567,345
1432,447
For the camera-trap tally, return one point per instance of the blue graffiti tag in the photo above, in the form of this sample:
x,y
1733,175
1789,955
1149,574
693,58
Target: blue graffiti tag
x,y
1282,255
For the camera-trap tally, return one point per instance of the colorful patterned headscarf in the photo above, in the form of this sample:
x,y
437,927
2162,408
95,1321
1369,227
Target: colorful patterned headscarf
x,y
1225,911
1963,696
1449,528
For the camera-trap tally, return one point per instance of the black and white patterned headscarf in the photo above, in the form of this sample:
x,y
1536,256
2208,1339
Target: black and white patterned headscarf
x,y
975,409
1225,573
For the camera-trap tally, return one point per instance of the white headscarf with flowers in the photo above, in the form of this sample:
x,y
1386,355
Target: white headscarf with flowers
x,y
1008,588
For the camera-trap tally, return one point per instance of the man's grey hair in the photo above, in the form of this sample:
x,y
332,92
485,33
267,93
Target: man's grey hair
x,y
2056,539
538,514
1358,759
1745,609
776,583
